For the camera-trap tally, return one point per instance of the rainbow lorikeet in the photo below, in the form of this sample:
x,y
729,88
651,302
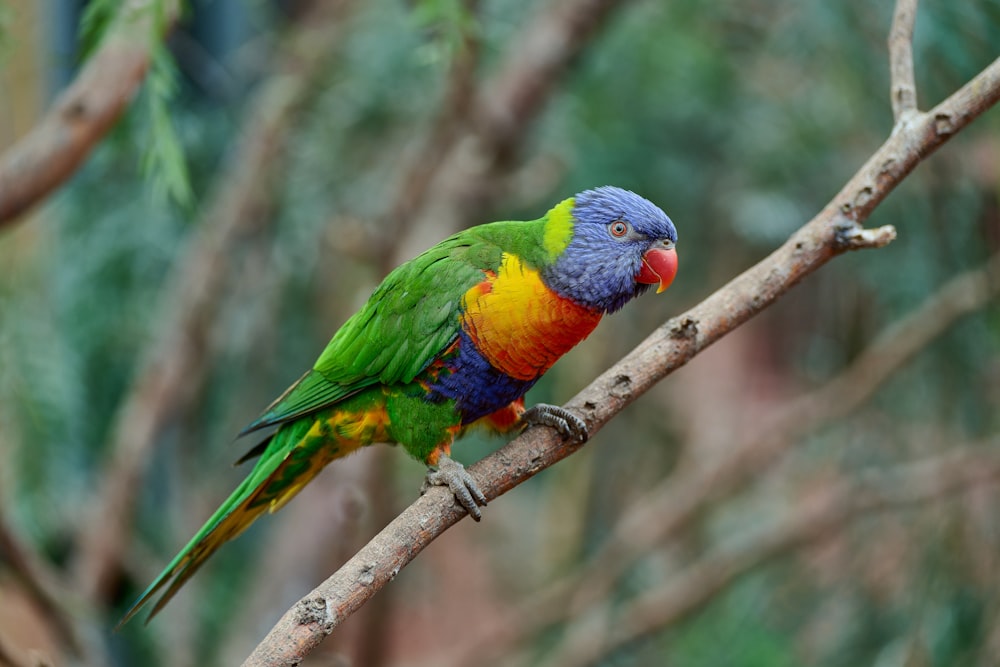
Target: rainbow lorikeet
x,y
450,340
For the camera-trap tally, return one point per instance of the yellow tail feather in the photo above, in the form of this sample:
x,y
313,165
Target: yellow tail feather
x,y
296,454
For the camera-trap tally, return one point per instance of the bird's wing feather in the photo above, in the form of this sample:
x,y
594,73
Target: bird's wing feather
x,y
410,319
310,392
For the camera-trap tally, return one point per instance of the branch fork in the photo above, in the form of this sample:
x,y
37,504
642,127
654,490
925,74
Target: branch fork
x,y
903,83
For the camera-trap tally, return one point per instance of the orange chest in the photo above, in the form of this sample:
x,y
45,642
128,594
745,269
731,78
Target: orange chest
x,y
519,325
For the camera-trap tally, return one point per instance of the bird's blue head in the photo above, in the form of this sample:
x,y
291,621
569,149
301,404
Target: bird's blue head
x,y
612,245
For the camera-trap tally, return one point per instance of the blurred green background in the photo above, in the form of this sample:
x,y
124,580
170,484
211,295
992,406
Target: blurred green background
x,y
741,119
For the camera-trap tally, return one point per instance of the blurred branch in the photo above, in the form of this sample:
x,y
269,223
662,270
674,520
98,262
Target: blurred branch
x,y
671,506
811,519
38,580
11,657
513,98
175,365
469,178
447,126
81,116
836,229
47,590
903,83
962,295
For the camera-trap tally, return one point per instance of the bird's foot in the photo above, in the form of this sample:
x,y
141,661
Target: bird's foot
x,y
561,419
454,475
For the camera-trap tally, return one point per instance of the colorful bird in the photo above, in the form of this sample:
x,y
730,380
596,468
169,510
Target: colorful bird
x,y
449,341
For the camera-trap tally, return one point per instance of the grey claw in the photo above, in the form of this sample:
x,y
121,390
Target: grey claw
x,y
561,419
453,474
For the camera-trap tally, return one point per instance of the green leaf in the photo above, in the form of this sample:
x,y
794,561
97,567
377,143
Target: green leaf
x,y
6,17
164,163
94,22
448,21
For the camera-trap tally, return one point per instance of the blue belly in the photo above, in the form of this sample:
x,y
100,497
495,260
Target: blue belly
x,y
477,388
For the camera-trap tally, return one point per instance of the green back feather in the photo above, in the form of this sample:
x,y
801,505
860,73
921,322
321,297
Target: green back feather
x,y
408,321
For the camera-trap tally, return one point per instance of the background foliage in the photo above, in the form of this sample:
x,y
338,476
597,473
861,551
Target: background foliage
x,y
740,120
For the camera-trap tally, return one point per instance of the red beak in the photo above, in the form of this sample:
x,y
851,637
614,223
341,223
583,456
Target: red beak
x,y
659,265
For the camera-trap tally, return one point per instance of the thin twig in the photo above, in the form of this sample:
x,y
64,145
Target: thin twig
x,y
81,116
813,519
830,233
903,83
174,366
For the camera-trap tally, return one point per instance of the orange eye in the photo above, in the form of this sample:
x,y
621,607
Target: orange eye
x,y
618,228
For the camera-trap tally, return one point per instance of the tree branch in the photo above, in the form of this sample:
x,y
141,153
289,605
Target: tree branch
x,y
903,83
81,116
812,519
834,230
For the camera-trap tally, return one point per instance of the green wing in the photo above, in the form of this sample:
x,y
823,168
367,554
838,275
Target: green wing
x,y
409,319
